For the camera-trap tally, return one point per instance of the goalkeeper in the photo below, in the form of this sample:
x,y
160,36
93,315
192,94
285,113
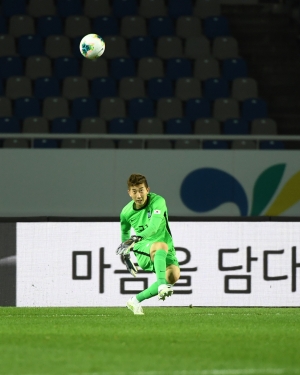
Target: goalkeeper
x,y
152,245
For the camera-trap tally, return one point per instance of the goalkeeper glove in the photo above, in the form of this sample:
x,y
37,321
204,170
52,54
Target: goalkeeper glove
x,y
125,246
131,268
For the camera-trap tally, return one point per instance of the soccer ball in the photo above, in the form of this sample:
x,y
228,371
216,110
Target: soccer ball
x,y
92,46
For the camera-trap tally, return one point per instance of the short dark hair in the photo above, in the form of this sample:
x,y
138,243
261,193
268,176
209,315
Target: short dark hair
x,y
136,179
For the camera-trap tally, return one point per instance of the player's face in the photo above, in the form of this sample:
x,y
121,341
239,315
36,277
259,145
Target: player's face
x,y
138,194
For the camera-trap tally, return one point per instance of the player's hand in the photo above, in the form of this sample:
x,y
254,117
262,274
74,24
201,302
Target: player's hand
x,y
131,268
125,246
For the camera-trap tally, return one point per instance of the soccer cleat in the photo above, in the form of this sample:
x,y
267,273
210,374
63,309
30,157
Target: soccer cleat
x,y
164,290
136,308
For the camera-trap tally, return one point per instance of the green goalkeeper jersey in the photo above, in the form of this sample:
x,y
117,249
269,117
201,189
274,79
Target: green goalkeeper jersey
x,y
149,222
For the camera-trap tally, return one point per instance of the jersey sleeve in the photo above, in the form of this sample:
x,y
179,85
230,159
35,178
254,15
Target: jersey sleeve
x,y
125,228
157,216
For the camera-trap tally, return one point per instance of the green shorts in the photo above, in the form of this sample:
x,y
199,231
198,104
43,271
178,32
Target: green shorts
x,y
142,253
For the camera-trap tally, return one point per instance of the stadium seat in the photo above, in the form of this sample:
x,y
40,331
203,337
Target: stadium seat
x,y
186,144
75,43
121,126
77,26
224,109
15,143
102,143
67,8
271,145
207,126
225,48
234,68
168,108
235,126
30,45
91,69
57,46
178,126
263,126
188,88
11,8
122,67
38,66
140,108
111,108
150,68
45,143
215,26
54,107
178,68
161,144
11,66
21,25
96,8
65,67
140,47
49,25
197,108
169,47
106,26
3,25
132,26
243,145
160,26
84,107
197,47
103,87
150,126
207,8
160,88
115,46
74,143
64,125
188,26
152,8
18,87
9,125
178,8
122,8
205,68
131,143
36,8
131,87
5,107
35,125
27,107
75,87
254,108
93,125
215,88
244,88
215,145
7,46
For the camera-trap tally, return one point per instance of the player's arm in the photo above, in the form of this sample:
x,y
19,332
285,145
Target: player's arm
x,y
125,228
157,217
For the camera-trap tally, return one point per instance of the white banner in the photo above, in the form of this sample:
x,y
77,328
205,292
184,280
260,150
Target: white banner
x,y
222,264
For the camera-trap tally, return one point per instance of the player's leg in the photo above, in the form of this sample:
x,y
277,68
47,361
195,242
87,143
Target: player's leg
x,y
172,274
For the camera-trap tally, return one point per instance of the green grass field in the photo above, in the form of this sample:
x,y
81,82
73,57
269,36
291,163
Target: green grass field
x,y
180,341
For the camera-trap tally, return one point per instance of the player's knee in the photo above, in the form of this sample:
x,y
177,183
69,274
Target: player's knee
x,y
160,246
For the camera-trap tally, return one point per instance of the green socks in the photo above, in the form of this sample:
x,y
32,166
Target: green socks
x,y
160,266
160,270
148,293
